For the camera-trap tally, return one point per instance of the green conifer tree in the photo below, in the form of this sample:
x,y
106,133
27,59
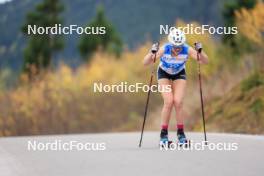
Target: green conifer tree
x,y
110,41
41,47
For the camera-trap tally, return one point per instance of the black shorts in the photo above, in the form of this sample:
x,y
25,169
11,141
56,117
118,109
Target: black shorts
x,y
162,74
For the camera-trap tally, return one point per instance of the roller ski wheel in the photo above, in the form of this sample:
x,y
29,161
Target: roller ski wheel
x,y
165,143
186,143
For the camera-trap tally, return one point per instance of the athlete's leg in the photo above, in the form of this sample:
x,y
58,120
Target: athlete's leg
x,y
167,102
166,110
178,87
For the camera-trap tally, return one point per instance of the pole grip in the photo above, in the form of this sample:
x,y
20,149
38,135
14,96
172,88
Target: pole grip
x,y
199,50
155,52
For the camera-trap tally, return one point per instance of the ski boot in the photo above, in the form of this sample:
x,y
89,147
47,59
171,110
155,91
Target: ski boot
x,y
164,140
182,140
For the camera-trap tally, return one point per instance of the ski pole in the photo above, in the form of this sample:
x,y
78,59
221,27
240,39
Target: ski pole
x,y
201,93
147,102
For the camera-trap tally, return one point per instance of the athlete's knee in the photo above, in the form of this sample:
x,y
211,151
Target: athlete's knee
x,y
168,102
177,103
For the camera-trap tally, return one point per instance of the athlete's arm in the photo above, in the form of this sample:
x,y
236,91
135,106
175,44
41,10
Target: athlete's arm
x,y
149,58
203,57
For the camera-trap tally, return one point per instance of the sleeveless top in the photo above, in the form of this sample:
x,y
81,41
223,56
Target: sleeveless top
x,y
173,65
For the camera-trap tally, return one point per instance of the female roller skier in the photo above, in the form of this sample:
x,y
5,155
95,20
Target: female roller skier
x,y
171,71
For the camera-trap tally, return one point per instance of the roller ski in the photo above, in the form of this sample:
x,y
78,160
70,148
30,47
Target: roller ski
x,y
164,140
182,140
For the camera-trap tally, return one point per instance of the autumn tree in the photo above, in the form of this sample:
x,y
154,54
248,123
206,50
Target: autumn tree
x,y
251,23
237,42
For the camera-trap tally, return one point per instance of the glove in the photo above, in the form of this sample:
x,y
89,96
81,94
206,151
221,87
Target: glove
x,y
155,48
198,46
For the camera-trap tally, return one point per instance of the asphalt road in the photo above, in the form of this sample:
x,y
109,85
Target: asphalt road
x,y
123,157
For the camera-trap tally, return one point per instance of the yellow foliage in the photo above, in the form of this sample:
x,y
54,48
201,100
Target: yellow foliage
x,y
63,101
251,23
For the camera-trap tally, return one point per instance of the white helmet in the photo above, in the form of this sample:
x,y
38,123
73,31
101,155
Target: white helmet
x,y
176,37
